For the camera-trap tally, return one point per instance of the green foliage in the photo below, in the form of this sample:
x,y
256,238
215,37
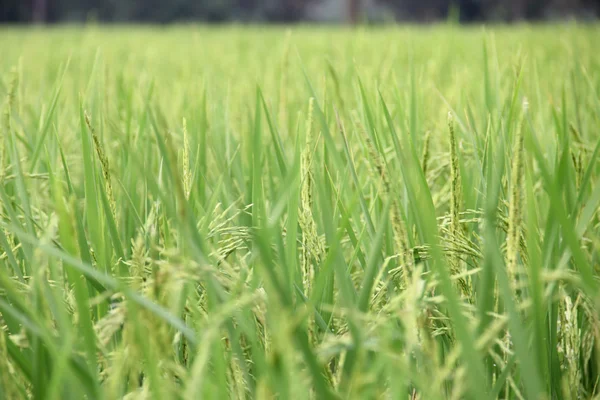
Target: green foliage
x,y
328,213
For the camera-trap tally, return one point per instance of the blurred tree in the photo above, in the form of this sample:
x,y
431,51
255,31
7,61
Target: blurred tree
x,y
470,10
422,10
281,10
14,11
353,10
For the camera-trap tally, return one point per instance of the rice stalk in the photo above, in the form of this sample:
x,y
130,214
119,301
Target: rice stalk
x,y
105,167
578,165
10,99
570,345
312,247
405,258
455,205
513,234
426,155
514,208
187,173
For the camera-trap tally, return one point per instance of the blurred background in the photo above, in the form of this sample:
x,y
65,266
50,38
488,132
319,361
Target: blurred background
x,y
331,11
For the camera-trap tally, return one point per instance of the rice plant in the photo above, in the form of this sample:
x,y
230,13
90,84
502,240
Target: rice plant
x,y
259,212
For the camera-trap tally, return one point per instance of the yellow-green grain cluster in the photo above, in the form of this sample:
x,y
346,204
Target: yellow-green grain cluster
x,y
513,234
311,249
187,173
456,265
104,165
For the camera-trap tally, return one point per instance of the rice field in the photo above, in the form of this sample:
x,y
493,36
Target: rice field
x,y
300,213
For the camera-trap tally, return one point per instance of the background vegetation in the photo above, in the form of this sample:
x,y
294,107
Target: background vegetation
x,y
318,213
294,10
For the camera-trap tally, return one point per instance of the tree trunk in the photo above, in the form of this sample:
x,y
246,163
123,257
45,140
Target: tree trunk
x,y
39,11
353,11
